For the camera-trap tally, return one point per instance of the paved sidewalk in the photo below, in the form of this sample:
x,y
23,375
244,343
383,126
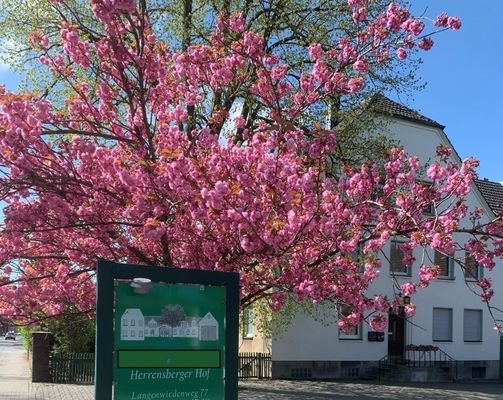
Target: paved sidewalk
x,y
15,375
358,390
306,390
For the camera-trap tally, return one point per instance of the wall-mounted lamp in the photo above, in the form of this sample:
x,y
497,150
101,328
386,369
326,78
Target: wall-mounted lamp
x,y
141,285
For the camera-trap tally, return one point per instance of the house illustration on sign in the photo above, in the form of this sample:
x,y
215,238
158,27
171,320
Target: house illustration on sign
x,y
136,326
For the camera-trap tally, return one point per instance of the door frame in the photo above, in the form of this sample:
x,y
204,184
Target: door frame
x,y
396,335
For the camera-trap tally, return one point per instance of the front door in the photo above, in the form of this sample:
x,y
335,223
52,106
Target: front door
x,y
396,335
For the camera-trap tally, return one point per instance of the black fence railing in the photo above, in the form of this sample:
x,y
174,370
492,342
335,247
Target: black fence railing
x,y
427,356
72,368
79,367
421,356
254,365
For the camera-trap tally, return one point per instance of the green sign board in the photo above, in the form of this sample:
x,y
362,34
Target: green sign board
x,y
175,338
169,342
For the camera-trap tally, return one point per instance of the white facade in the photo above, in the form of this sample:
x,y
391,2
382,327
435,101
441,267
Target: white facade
x,y
309,341
208,328
132,324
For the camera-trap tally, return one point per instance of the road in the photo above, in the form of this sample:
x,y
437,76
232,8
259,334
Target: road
x,y
10,346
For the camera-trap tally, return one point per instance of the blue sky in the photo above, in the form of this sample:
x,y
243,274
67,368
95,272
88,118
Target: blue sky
x,y
464,76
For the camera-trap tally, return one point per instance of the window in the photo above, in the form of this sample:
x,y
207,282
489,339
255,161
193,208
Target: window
x,y
133,322
446,265
247,327
426,190
442,325
473,270
124,322
478,372
429,209
358,257
355,332
472,326
396,258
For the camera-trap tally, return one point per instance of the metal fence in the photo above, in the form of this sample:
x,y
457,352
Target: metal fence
x,y
254,365
79,367
72,368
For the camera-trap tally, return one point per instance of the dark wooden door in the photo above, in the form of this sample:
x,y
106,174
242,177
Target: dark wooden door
x,y
396,335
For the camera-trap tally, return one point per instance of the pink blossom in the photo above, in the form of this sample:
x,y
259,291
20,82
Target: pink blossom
x,y
123,5
408,288
435,172
236,22
410,310
454,23
356,3
401,53
425,44
359,14
356,84
361,65
413,26
381,303
379,323
441,20
315,52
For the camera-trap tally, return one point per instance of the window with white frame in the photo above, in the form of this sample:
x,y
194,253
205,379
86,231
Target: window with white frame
x,y
473,270
397,265
472,325
427,189
442,325
247,324
358,257
355,332
446,265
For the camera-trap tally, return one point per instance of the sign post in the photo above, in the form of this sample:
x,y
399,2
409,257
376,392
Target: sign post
x,y
177,339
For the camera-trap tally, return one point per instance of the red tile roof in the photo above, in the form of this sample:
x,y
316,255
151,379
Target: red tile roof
x,y
382,104
492,193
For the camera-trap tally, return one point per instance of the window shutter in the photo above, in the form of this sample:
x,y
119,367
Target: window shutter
x,y
443,262
472,326
442,324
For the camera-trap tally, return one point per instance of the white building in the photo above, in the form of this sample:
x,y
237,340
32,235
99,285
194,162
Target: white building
x,y
448,316
132,324
208,328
